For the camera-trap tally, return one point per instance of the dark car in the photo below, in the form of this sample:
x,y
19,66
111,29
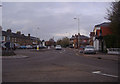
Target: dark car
x,y
81,49
71,46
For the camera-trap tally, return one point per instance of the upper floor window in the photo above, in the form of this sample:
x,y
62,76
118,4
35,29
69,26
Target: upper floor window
x,y
8,38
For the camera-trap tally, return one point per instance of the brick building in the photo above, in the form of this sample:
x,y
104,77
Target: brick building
x,y
84,40
100,31
92,34
21,39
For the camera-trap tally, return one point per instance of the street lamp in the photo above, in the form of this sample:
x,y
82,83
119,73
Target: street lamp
x,y
78,31
37,35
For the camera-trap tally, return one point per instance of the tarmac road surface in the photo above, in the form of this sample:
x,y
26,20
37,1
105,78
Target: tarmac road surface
x,y
50,65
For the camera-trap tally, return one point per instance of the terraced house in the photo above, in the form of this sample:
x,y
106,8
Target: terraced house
x,y
21,39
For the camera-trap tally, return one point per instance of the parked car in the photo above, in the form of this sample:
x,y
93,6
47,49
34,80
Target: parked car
x,y
81,49
71,46
17,46
89,50
58,47
34,46
41,47
23,47
29,47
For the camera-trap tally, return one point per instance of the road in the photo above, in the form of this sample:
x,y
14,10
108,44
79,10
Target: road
x,y
50,65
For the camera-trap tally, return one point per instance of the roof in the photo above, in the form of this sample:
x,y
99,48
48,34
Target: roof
x,y
103,24
15,35
81,37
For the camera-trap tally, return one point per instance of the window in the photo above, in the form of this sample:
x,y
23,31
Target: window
x,y
3,38
8,38
15,40
12,39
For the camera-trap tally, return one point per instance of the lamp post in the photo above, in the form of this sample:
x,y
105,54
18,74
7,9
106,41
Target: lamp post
x,y
78,19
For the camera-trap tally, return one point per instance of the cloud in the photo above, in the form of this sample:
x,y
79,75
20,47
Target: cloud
x,y
52,19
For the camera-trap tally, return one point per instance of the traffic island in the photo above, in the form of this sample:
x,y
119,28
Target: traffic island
x,y
41,50
8,53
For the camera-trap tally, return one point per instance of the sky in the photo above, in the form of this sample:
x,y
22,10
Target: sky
x,y
0,13
53,19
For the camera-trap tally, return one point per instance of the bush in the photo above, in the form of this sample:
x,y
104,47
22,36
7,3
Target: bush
x,y
111,41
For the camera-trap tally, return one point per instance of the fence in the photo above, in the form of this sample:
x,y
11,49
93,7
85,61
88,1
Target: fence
x,y
113,51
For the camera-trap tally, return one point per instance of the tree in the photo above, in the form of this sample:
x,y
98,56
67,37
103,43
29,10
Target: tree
x,y
51,41
113,15
64,42
59,42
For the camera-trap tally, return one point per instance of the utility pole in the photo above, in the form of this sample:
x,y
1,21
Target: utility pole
x,y
78,19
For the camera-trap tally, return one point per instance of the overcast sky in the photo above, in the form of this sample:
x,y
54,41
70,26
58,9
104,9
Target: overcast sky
x,y
53,19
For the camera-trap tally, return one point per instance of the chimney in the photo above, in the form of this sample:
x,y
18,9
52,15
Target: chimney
x,y
18,32
28,35
9,30
79,34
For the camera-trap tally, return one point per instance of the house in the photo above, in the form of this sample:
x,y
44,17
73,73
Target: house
x,y
51,42
18,38
92,34
100,31
83,40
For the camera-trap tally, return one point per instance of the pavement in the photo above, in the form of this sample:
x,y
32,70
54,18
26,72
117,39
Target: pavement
x,y
15,56
99,55
23,56
106,57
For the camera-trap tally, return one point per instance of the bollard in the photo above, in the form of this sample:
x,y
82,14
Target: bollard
x,y
37,47
48,47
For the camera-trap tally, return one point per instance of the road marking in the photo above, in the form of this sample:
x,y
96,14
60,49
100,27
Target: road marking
x,y
60,52
99,72
77,54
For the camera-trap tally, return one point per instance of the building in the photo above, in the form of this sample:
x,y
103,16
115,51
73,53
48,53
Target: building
x,y
83,40
18,38
100,31
51,42
92,34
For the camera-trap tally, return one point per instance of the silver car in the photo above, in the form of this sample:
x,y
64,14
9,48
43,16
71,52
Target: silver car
x,y
89,50
58,47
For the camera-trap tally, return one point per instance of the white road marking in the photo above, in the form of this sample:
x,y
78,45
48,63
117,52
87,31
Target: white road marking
x,y
60,52
77,54
99,72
